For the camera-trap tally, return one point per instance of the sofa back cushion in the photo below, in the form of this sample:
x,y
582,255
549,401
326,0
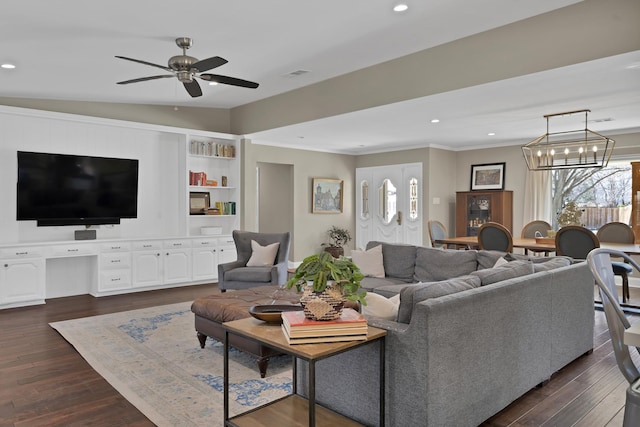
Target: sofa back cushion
x,y
507,271
399,260
551,264
433,264
411,295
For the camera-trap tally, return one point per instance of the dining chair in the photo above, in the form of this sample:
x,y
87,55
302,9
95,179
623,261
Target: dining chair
x,y
495,237
576,242
529,232
437,230
619,232
599,261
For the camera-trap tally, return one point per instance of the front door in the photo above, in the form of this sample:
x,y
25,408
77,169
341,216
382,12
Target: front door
x,y
388,202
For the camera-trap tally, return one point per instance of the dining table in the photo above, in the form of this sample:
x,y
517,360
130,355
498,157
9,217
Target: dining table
x,y
537,244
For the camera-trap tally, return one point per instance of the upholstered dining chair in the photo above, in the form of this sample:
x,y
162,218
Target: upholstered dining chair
x,y
495,237
437,230
599,261
258,264
529,232
576,242
619,232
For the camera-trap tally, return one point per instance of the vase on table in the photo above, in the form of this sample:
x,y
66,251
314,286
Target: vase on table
x,y
324,305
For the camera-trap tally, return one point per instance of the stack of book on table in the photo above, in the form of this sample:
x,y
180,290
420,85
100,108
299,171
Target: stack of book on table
x,y
350,326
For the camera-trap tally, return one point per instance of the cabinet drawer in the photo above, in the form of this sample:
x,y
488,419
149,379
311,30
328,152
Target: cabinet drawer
x,y
205,243
21,252
73,250
115,260
177,243
145,245
116,279
115,247
227,241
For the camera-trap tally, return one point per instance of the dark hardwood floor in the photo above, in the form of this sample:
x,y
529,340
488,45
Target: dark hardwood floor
x,y
44,382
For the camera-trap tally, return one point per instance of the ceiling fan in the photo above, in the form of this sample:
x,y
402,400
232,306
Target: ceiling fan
x,y
187,68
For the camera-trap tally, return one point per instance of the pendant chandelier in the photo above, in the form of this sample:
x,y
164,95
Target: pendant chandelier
x,y
582,148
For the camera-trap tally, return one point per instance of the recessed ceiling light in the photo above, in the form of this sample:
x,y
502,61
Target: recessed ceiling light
x,y
213,83
8,66
435,120
491,133
400,7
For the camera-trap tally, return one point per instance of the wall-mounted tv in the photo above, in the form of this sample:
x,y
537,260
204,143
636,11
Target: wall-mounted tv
x,y
63,189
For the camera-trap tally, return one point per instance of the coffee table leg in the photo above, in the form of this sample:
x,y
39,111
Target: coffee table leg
x,y
382,380
312,393
226,376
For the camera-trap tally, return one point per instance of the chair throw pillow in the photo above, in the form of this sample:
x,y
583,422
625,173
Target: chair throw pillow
x,y
262,256
369,262
380,306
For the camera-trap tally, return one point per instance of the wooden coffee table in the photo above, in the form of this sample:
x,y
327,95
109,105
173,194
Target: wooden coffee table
x,y
273,413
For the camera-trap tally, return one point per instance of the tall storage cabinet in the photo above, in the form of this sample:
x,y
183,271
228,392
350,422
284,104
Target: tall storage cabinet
x,y
474,208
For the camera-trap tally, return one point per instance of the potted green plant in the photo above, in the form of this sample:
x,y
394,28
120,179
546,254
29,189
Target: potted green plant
x,y
326,282
338,238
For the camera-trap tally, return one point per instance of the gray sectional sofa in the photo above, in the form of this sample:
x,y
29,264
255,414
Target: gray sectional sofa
x,y
464,346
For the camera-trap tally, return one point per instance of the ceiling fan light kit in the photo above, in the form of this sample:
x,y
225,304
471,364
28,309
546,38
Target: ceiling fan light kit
x,y
582,148
187,68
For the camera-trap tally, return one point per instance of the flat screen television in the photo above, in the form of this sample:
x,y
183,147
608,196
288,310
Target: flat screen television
x,y
63,189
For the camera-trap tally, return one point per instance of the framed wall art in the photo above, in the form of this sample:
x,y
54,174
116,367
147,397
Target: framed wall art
x,y
198,202
488,176
327,195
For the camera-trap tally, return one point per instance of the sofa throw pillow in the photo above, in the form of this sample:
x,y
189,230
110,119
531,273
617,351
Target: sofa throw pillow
x,y
369,262
399,260
413,294
381,307
507,271
434,264
501,261
262,256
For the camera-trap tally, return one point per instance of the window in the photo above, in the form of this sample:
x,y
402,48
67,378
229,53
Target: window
x,y
602,195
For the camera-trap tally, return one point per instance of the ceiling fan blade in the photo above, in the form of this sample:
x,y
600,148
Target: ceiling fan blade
x,y
145,63
193,88
229,80
209,63
144,79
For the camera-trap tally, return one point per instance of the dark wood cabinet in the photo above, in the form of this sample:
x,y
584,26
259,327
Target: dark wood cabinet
x,y
474,208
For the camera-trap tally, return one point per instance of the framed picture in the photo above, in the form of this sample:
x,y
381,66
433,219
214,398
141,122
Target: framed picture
x,y
488,176
327,195
198,202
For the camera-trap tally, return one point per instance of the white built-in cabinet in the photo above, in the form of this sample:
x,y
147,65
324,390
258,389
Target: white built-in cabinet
x,y
163,247
22,277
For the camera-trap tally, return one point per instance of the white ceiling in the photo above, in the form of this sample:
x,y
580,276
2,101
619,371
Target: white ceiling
x,y
65,49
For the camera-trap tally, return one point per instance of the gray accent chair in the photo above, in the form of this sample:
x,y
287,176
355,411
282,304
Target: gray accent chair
x,y
495,237
236,274
599,261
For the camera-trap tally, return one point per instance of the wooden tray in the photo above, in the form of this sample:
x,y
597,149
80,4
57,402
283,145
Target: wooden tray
x,y
271,313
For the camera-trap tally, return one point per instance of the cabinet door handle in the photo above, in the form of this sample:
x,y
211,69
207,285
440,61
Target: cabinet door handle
x,y
22,253
72,250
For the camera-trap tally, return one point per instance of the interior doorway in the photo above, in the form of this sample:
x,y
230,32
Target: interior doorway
x,y
275,199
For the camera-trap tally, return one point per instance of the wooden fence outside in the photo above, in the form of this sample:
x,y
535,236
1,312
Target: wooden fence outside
x,y
595,218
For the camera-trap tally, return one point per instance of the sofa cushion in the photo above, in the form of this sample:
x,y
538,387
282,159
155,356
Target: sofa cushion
x,y
249,274
370,262
372,283
390,290
411,295
433,264
504,272
488,259
555,262
262,256
381,307
399,260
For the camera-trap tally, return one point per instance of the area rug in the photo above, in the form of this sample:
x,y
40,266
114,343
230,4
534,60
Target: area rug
x,y
152,357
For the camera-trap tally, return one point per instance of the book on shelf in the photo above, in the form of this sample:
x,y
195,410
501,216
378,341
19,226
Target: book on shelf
x,y
296,320
323,339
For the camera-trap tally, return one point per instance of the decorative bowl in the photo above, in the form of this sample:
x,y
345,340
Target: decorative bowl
x,y
271,313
